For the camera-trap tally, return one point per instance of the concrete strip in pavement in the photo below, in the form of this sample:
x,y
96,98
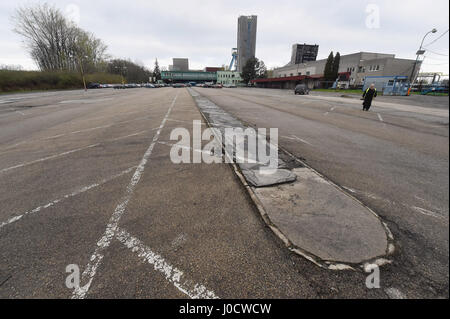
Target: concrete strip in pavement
x,y
318,220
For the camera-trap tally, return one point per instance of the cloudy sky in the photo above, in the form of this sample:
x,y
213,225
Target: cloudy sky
x,y
205,30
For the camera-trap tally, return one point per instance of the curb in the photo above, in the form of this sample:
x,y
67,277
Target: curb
x,y
325,264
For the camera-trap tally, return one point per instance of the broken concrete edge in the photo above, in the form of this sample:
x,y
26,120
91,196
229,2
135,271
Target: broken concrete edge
x,y
390,249
364,266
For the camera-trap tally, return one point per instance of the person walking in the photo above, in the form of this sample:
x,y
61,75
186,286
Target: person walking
x,y
368,96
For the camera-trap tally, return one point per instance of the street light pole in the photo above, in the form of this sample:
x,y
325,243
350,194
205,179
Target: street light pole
x,y
418,54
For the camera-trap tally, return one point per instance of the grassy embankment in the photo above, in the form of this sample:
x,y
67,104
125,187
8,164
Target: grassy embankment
x,y
23,81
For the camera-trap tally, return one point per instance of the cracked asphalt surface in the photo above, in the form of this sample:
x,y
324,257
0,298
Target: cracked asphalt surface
x,y
66,159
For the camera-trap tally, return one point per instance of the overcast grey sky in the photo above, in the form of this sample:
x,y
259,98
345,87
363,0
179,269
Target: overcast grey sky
x,y
205,30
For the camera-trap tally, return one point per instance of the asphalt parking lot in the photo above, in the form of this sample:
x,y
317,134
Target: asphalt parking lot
x,y
86,179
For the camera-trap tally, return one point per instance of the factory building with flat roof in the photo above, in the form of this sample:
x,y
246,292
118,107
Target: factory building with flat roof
x,y
353,69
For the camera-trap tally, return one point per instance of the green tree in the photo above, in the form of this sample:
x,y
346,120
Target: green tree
x,y
261,70
328,71
336,62
157,71
253,69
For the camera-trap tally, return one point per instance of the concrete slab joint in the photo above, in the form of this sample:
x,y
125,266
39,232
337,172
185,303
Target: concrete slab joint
x,y
314,217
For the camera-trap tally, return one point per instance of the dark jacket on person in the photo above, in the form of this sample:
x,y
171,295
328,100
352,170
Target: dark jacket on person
x,y
368,96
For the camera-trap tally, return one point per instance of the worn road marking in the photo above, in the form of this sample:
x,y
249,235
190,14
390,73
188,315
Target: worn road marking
x,y
73,151
427,212
172,274
48,158
111,227
379,117
180,121
331,110
75,193
130,135
296,138
95,128
7,149
185,147
394,293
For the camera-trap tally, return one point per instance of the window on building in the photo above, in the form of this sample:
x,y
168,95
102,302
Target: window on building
x,y
378,67
308,73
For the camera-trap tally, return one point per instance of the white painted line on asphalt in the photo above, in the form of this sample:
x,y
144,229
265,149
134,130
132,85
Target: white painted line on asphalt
x,y
180,121
379,117
394,293
86,101
172,274
130,135
111,227
331,110
95,128
48,158
21,113
75,193
8,149
296,138
184,147
427,212
349,189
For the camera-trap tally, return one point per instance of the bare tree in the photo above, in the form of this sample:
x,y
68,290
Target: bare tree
x,y
55,43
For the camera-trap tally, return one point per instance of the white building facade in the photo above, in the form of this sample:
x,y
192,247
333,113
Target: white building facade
x,y
228,77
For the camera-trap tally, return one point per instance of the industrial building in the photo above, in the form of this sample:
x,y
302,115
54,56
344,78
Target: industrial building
x,y
179,64
228,77
213,69
353,69
302,53
188,76
246,40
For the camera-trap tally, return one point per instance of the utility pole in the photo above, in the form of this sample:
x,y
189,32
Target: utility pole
x,y
418,54
82,75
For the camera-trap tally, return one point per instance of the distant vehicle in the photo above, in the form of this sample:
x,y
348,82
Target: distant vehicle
x,y
187,85
230,86
217,86
200,85
301,89
208,85
178,85
92,85
149,86
434,89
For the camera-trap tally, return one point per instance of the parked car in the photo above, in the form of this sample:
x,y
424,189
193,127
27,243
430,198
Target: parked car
x,y
92,85
178,85
301,89
217,86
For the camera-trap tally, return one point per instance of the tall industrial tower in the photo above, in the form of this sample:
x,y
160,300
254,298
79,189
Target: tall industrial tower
x,y
246,39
